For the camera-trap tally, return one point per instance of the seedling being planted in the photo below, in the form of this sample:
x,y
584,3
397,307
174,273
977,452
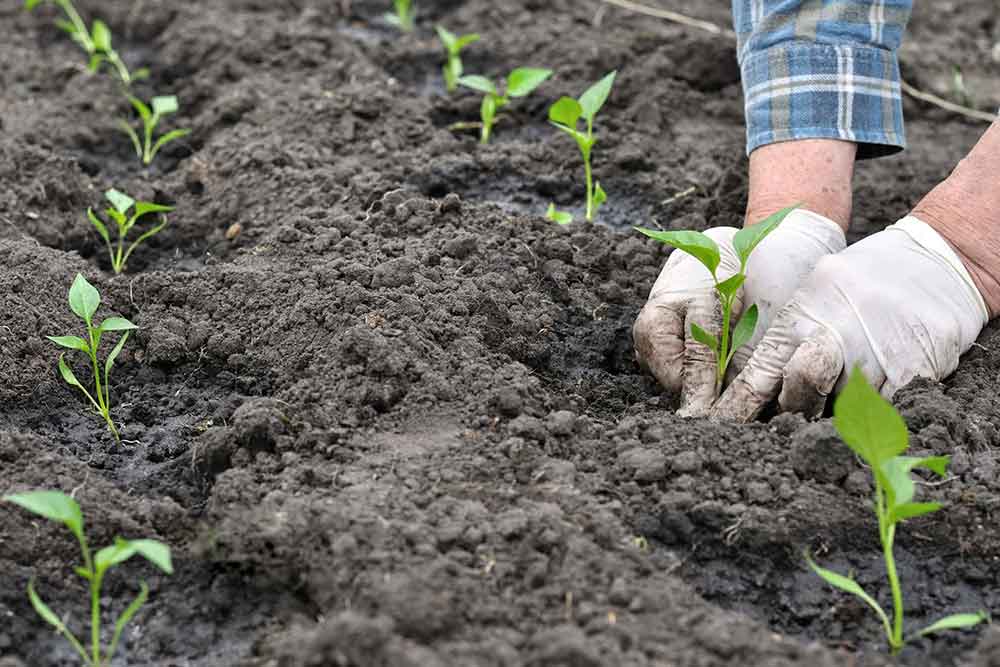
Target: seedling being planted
x,y
520,83
403,18
119,213
453,46
565,114
83,301
96,42
57,506
872,428
151,115
705,250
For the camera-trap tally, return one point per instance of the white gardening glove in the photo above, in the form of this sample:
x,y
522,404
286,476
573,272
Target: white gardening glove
x,y
899,304
684,294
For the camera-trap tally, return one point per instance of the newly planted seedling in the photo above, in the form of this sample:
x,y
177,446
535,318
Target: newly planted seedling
x,y
403,18
706,251
57,506
96,42
119,213
565,114
520,83
83,301
874,431
453,46
150,115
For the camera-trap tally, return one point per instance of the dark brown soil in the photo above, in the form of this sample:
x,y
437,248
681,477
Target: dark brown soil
x,y
397,420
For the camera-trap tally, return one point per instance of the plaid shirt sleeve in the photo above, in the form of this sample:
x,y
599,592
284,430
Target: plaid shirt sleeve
x,y
822,69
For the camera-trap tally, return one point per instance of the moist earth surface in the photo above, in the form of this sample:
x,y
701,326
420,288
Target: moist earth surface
x,y
384,412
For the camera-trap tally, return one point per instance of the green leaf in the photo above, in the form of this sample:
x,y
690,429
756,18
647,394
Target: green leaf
x,y
67,373
67,27
140,107
848,585
600,196
744,329
955,622
83,298
560,217
868,424
447,38
31,4
52,505
117,324
912,510
696,244
136,143
121,201
156,553
566,111
704,338
71,342
110,361
99,225
480,83
144,207
95,61
524,80
465,40
488,109
173,135
165,104
125,617
142,237
108,557
594,98
43,610
101,35
729,286
899,486
140,74
750,237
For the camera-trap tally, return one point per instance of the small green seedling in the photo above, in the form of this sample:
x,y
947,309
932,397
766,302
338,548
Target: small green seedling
x,y
83,301
403,18
520,83
705,250
565,114
453,46
119,213
151,115
96,42
872,428
57,506
560,217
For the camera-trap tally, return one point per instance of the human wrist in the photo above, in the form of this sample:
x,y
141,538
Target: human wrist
x,y
814,173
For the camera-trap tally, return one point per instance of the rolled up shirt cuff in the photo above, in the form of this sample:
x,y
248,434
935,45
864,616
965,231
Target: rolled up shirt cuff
x,y
806,90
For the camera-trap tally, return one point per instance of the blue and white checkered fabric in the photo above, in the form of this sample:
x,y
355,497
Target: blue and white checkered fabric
x,y
823,69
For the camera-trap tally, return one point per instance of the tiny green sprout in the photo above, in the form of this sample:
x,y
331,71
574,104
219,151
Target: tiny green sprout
x,y
119,212
96,42
520,83
875,431
151,114
566,113
453,46
83,301
705,250
557,216
57,506
403,18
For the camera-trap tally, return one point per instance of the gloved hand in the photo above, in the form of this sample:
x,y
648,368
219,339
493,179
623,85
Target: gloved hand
x,y
899,304
684,294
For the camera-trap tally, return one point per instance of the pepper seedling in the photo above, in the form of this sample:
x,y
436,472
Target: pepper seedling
x,y
705,250
119,213
876,432
96,42
403,18
520,83
57,506
453,46
84,301
150,115
565,114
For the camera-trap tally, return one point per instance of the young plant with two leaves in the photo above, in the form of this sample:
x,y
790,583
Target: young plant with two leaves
x,y
84,300
57,506
121,204
875,431
404,16
150,115
566,114
706,251
453,45
96,41
520,83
